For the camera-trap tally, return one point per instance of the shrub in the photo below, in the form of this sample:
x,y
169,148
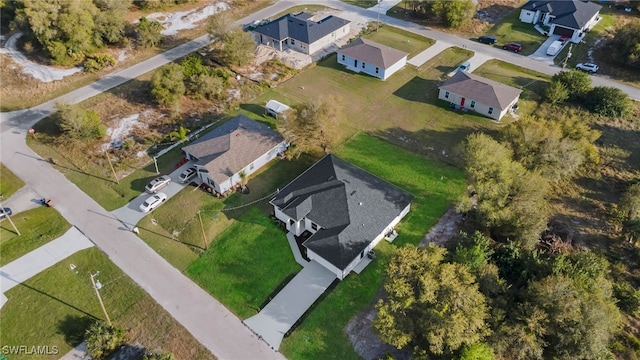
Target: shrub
x,y
80,124
556,92
628,298
578,83
97,62
103,338
608,101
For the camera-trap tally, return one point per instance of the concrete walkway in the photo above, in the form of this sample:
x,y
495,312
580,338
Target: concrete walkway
x,y
40,259
429,53
77,353
22,200
476,61
273,322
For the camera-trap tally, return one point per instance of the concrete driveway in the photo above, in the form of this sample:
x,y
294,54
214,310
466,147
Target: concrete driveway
x,y
541,53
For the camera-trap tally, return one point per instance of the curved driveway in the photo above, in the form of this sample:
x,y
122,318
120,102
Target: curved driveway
x,y
210,322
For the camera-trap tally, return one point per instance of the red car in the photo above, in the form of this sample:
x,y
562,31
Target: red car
x,y
513,47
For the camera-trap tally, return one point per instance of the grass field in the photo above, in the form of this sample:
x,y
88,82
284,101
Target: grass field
x,y
300,8
400,39
511,29
37,227
9,182
55,307
246,264
435,187
361,3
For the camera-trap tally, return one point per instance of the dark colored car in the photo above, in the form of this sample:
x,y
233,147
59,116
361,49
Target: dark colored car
x,y
512,47
4,212
487,39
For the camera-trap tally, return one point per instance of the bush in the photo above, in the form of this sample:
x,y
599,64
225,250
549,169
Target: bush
x,y
608,101
556,92
578,83
628,298
80,124
97,62
103,339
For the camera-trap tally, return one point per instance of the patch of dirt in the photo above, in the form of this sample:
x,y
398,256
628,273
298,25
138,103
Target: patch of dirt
x,y
360,330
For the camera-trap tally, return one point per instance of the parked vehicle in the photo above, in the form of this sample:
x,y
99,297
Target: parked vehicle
x,y
158,183
588,67
554,48
4,212
486,39
512,47
153,202
563,39
187,175
465,66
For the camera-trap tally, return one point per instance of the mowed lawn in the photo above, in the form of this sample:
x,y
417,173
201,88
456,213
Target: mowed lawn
x,y
435,187
246,264
9,182
511,29
55,307
400,39
37,227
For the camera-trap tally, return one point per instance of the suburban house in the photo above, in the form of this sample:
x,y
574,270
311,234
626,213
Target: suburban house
x,y
484,96
339,212
299,33
570,18
239,145
369,57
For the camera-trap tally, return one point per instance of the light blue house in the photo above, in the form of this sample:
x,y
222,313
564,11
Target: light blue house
x,y
369,57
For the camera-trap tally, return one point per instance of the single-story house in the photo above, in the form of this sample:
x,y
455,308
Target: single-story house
x,y
484,96
239,145
372,58
570,18
343,210
274,108
299,33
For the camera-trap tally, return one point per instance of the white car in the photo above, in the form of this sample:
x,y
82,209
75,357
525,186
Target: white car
x,y
153,202
187,175
589,67
157,184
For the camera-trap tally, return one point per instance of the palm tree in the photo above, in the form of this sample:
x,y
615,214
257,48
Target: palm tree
x,y
179,135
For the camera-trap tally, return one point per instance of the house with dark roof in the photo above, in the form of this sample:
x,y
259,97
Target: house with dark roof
x,y
341,210
240,145
570,18
478,94
298,32
372,58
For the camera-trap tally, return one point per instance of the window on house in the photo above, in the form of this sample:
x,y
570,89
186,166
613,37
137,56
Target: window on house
x,y
473,104
251,166
314,227
343,57
377,70
363,65
446,94
293,41
291,221
490,111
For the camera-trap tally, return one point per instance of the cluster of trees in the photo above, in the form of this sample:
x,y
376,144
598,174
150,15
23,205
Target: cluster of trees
x,y
575,86
79,124
510,176
479,303
190,77
233,46
625,44
311,125
453,13
103,340
159,4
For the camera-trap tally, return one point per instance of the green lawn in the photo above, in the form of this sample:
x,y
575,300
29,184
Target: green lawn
x,y
435,187
361,3
246,264
9,182
37,227
301,8
54,308
400,39
511,29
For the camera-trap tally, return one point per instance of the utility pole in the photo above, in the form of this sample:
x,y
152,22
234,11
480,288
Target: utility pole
x,y
11,221
97,286
378,24
155,161
112,169
564,63
204,237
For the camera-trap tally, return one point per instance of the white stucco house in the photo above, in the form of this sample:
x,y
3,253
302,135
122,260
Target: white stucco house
x,y
370,57
238,145
570,18
487,97
298,32
340,212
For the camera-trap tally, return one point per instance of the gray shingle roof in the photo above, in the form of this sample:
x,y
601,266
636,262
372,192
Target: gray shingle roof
x,y
373,53
233,146
569,13
299,27
485,91
350,205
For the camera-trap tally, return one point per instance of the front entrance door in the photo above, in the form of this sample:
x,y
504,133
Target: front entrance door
x,y
355,63
462,102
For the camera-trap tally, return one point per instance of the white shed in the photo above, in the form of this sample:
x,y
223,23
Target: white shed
x,y
274,108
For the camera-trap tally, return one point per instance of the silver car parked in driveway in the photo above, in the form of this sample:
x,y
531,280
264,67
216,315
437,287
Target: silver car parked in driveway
x,y
153,202
158,183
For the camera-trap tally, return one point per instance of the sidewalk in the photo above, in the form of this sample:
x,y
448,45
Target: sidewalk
x,y
40,259
430,52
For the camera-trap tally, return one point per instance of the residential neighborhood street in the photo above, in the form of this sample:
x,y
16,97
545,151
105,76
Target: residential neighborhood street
x,y
217,328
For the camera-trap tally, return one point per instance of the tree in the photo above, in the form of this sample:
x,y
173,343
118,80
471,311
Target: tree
x,y
167,85
80,124
508,199
473,251
179,135
149,32
220,24
630,201
233,45
102,339
608,101
206,86
556,92
578,83
311,125
429,304
455,13
626,43
477,351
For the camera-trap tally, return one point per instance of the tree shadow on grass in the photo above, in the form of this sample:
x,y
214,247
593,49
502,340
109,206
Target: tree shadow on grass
x,y
73,328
